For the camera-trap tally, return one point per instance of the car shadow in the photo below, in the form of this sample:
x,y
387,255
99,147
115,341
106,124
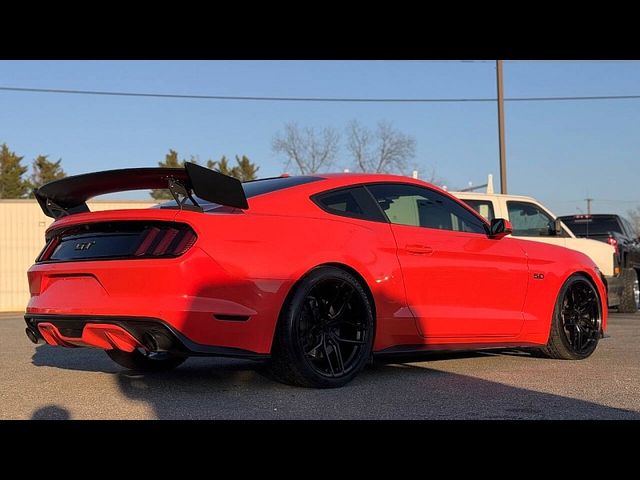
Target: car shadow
x,y
51,412
217,388
82,359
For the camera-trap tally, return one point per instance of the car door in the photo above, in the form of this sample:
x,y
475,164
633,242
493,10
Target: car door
x,y
459,283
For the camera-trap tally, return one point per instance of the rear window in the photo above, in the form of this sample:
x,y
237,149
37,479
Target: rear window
x,y
585,226
253,188
268,185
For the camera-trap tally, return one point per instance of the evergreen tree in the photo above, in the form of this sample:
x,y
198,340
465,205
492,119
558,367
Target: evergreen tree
x,y
12,184
44,171
221,166
244,170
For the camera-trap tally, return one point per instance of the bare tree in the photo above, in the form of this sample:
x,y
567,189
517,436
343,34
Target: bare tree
x,y
430,175
359,145
309,150
384,150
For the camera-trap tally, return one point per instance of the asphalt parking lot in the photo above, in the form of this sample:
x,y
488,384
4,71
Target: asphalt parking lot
x,y
43,382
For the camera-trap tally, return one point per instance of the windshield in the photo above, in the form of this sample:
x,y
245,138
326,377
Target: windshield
x,y
252,189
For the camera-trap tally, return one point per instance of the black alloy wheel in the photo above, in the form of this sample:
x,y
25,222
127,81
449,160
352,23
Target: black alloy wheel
x,y
580,315
325,335
332,329
577,323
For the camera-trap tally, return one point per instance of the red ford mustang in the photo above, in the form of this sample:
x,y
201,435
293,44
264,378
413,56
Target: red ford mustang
x,y
315,273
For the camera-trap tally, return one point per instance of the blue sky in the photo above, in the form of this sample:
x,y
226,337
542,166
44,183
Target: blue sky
x,y
559,152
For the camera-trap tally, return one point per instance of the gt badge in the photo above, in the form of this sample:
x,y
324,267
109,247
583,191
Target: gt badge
x,y
84,245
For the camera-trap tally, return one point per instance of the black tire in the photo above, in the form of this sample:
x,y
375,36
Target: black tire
x,y
145,362
629,296
577,321
325,332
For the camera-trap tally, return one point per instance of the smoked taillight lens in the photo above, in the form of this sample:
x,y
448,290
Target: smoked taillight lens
x,y
159,241
48,250
118,240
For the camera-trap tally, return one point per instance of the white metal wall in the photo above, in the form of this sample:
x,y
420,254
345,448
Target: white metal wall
x,y
22,227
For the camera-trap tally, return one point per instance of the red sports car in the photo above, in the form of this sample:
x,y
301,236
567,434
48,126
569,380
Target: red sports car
x,y
314,273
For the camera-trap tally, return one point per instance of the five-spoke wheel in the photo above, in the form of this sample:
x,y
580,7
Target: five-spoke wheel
x,y
577,320
325,334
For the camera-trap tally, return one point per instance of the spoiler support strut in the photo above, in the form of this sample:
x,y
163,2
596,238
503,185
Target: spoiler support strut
x,y
178,190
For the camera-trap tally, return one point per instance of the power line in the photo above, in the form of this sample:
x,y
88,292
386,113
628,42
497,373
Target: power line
x,y
312,99
596,200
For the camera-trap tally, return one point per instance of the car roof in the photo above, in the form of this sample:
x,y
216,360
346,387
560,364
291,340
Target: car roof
x,y
487,196
328,181
294,199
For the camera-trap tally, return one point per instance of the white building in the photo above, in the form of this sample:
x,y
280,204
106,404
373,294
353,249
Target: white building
x,y
22,228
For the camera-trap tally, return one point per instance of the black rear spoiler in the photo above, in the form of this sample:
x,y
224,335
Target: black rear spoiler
x,y
69,195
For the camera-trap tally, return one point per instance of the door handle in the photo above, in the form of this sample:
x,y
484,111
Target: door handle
x,y
417,249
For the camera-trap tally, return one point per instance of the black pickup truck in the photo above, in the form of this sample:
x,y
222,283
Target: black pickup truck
x,y
616,231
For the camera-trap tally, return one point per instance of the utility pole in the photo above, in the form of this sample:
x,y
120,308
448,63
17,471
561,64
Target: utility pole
x,y
589,200
503,152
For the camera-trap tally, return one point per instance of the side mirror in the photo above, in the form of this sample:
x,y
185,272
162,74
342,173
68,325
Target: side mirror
x,y
500,228
557,227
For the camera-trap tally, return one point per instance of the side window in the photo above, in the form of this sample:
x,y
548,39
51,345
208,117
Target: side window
x,y
422,207
342,202
483,207
529,220
350,202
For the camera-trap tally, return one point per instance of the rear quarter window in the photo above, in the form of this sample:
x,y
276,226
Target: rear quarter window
x,y
354,202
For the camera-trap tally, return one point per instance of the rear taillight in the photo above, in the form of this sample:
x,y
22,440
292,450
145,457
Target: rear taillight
x,y
163,241
614,243
48,250
118,240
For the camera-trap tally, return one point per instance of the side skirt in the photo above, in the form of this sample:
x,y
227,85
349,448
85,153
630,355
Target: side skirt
x,y
403,350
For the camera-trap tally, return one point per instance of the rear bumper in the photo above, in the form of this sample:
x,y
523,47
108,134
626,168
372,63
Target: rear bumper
x,y
122,333
192,295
